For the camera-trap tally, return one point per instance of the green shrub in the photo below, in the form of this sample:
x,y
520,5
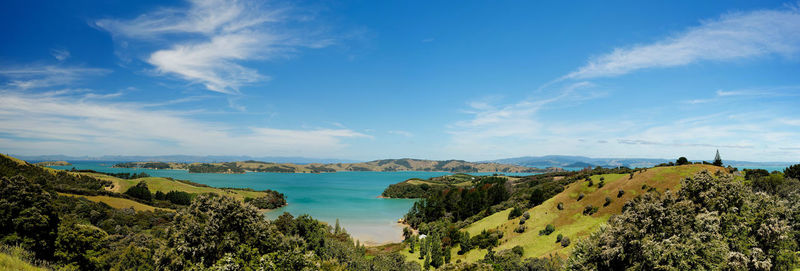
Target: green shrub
x,y
620,193
515,212
547,230
608,201
559,237
565,242
580,196
560,206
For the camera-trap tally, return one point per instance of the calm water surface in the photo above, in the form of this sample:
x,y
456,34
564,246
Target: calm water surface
x,y
350,197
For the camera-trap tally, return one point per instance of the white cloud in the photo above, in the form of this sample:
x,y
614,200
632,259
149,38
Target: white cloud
x,y
40,76
208,42
733,36
60,54
41,123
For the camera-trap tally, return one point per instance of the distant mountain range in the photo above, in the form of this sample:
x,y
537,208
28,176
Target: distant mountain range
x,y
563,161
566,161
181,159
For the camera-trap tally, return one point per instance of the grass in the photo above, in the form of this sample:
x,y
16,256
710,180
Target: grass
x,y
119,203
165,185
570,222
14,258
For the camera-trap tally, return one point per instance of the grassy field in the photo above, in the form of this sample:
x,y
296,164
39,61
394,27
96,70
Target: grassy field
x,y
165,185
570,222
118,203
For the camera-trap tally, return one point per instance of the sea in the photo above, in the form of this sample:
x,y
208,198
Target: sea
x,y
350,197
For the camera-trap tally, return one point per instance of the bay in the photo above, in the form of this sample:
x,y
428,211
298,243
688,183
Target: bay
x,y
351,197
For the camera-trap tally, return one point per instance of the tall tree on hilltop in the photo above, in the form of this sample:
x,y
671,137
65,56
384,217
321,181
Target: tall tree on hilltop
x,y
717,160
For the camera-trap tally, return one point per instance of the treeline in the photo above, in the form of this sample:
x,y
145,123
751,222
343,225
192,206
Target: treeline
x,y
272,200
461,203
229,167
150,165
121,175
212,233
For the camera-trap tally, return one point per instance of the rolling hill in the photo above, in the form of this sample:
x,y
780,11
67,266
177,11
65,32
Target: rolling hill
x,y
570,220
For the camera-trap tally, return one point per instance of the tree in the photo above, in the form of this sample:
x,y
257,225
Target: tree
x,y
717,160
140,191
215,225
792,172
682,161
27,216
80,245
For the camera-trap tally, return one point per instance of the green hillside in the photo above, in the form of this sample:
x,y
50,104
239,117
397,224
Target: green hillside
x,y
571,222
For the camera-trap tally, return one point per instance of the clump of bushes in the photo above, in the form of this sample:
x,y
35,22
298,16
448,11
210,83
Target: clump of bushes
x,y
565,242
644,186
620,193
608,201
547,230
140,191
601,183
520,229
526,215
515,212
590,210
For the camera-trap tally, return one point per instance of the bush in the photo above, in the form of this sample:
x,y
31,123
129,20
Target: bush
x,y
644,186
682,161
589,210
620,193
515,212
560,206
518,250
580,196
792,172
608,201
591,183
522,220
601,184
565,242
140,191
559,238
547,230
520,229
526,215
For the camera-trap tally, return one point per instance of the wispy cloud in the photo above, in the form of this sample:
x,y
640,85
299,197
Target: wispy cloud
x,y
39,123
208,42
732,36
60,54
41,76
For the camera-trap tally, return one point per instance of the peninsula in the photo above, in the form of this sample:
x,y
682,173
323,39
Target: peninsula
x,y
386,165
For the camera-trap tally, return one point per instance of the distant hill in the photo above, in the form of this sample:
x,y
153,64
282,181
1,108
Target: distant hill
x,y
582,161
181,158
405,164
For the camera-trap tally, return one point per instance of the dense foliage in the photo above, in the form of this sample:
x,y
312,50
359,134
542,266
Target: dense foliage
x,y
121,175
459,204
151,165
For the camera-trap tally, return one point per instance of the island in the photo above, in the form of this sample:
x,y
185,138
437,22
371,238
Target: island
x,y
385,165
53,163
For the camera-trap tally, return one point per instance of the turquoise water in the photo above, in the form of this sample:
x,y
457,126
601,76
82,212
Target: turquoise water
x,y
349,196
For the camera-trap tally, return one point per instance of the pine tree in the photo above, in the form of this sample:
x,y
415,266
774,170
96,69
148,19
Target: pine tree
x,y
717,160
337,228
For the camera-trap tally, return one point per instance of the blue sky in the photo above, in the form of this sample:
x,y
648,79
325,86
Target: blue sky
x,y
378,79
